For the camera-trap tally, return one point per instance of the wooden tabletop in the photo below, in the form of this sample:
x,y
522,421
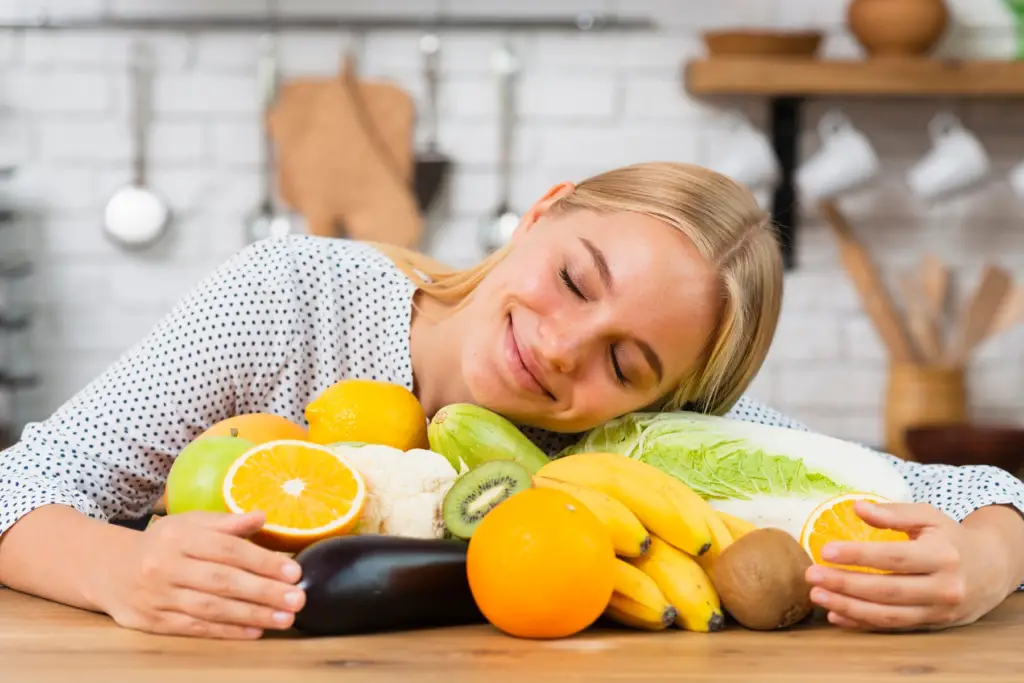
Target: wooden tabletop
x,y
42,642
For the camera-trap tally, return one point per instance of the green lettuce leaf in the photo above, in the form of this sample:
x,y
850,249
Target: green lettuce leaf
x,y
705,457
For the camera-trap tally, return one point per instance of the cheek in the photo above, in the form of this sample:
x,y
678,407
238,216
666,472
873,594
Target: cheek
x,y
535,285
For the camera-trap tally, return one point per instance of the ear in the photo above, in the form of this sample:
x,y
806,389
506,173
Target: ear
x,y
541,206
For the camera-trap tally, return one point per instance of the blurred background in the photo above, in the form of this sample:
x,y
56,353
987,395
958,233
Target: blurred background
x,y
918,158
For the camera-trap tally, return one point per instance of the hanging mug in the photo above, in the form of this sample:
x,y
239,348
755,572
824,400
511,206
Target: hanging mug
x,y
845,160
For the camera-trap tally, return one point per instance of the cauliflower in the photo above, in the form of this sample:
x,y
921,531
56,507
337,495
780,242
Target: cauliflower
x,y
405,489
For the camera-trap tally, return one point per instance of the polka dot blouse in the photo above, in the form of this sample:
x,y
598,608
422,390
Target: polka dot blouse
x,y
267,331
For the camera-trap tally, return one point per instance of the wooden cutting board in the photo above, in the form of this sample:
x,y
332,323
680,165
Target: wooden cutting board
x,y
345,150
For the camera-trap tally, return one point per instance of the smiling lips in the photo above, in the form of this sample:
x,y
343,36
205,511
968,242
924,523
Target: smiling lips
x,y
523,365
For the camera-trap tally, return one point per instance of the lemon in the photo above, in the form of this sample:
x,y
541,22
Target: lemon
x,y
368,411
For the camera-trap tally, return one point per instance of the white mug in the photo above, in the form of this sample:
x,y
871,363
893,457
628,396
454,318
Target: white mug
x,y
1017,180
956,160
845,160
749,158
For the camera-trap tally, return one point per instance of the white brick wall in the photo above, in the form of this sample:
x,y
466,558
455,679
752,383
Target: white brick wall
x,y
587,102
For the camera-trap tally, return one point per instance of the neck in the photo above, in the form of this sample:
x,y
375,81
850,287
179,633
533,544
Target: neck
x,y
435,355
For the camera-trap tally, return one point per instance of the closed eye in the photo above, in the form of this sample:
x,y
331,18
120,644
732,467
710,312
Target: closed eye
x,y
567,279
618,370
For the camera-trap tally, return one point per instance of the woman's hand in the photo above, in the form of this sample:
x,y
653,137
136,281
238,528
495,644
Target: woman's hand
x,y
195,574
947,574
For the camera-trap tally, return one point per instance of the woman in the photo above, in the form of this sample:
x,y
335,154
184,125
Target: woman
x,y
651,285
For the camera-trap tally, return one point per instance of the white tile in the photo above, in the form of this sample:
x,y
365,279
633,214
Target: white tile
x,y
107,48
662,98
200,93
31,10
613,146
862,341
644,52
577,98
53,187
52,91
237,142
807,337
831,384
311,54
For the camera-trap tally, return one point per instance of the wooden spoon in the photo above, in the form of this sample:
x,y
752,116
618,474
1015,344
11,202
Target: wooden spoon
x,y
920,320
995,284
1011,313
873,294
933,275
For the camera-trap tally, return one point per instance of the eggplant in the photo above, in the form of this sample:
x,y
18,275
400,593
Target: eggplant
x,y
368,584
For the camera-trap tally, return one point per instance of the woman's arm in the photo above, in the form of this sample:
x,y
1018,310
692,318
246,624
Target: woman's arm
x,y
106,453
965,554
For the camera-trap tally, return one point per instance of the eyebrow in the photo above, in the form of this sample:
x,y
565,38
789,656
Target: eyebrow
x,y
601,263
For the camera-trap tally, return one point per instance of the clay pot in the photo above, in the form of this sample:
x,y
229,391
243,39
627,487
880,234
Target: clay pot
x,y
903,28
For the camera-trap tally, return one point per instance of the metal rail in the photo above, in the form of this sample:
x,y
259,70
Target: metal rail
x,y
584,21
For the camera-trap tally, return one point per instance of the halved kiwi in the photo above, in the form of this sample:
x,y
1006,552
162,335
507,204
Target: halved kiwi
x,y
479,491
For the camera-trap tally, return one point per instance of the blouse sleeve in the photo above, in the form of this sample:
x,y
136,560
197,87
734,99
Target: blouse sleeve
x,y
957,491
106,452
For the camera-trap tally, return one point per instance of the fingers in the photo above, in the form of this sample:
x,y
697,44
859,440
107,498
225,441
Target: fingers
x,y
229,550
908,517
238,584
178,624
839,620
227,523
891,589
207,607
871,615
903,557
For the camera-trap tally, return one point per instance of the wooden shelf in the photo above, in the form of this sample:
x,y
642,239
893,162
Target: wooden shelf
x,y
891,76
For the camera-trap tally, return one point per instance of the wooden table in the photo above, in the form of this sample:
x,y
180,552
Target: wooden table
x,y
42,642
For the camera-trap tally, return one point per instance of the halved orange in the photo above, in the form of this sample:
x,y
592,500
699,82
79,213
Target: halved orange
x,y
836,520
307,492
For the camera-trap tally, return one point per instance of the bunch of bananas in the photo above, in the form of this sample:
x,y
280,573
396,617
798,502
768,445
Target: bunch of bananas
x,y
666,537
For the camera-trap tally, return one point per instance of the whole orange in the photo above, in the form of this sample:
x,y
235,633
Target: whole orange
x,y
540,565
259,428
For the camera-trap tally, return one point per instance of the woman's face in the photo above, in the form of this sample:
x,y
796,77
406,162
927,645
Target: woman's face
x,y
589,317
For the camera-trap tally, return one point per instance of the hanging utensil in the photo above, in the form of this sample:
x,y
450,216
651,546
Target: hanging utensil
x,y
267,220
993,287
135,216
432,165
497,230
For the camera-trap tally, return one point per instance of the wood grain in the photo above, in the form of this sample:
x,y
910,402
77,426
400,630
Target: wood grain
x,y
41,642
908,77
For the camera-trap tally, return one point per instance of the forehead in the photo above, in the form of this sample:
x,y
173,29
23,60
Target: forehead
x,y
664,290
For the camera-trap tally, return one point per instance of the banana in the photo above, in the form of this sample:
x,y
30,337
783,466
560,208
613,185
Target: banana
x,y
662,503
629,536
688,587
720,540
737,527
637,601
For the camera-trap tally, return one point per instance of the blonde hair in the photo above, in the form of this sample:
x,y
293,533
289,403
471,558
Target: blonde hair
x,y
729,230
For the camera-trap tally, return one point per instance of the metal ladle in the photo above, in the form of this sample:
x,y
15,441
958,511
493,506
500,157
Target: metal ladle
x,y
267,221
135,216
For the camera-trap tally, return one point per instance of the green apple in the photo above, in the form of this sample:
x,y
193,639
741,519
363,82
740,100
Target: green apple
x,y
197,475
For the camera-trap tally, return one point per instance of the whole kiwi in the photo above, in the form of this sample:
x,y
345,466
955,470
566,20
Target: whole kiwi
x,y
760,580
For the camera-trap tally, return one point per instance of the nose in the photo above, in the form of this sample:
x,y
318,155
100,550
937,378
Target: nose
x,y
562,344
